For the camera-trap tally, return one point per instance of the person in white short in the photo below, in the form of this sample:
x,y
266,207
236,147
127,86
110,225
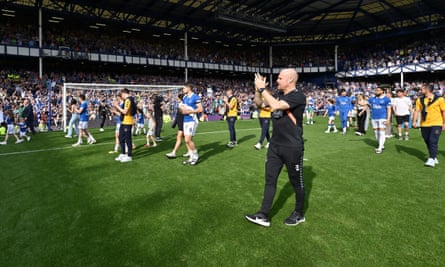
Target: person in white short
x,y
191,108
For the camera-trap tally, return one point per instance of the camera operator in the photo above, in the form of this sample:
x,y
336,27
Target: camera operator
x,y
286,144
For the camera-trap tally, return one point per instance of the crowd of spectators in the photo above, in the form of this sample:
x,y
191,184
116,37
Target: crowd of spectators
x,y
134,44
15,86
384,53
393,53
46,93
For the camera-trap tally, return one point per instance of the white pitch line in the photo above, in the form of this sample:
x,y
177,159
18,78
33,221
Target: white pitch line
x,y
226,131
100,144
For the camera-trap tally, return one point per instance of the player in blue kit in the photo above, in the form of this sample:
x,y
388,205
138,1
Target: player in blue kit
x,y
330,112
343,105
83,122
380,106
191,107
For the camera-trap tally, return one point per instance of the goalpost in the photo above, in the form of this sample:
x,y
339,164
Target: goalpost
x,y
111,90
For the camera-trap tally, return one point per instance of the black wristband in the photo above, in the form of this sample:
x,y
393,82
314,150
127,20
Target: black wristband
x,y
261,90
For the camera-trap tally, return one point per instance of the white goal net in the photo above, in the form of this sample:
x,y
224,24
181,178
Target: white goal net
x,y
96,93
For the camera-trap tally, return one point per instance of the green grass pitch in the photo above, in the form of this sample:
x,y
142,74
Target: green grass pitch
x,y
64,206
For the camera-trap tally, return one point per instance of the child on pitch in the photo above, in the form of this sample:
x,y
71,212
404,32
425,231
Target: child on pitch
x,y
330,112
310,104
43,121
23,129
140,123
151,130
179,121
117,118
10,128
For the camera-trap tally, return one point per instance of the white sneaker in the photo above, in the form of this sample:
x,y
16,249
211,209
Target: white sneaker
x,y
19,141
267,145
92,141
257,146
76,144
171,155
186,154
194,160
231,145
126,159
28,138
430,162
436,161
120,157
327,131
68,136
101,129
3,143
378,151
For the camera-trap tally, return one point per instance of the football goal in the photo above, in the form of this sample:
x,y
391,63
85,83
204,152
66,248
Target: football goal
x,y
97,93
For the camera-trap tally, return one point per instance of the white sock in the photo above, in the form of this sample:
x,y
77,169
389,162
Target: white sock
x,y
382,139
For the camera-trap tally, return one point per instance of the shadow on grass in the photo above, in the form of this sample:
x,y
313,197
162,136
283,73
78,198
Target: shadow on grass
x,y
141,151
246,138
208,150
410,151
287,191
371,142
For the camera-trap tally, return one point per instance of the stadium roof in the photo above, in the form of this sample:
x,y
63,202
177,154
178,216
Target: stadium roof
x,y
261,21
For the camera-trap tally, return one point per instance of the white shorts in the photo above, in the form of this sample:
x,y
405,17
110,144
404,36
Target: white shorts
x,y
380,123
140,125
22,134
118,126
150,132
83,125
190,128
11,129
331,118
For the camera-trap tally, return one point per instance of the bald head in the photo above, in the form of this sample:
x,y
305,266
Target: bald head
x,y
287,79
291,73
